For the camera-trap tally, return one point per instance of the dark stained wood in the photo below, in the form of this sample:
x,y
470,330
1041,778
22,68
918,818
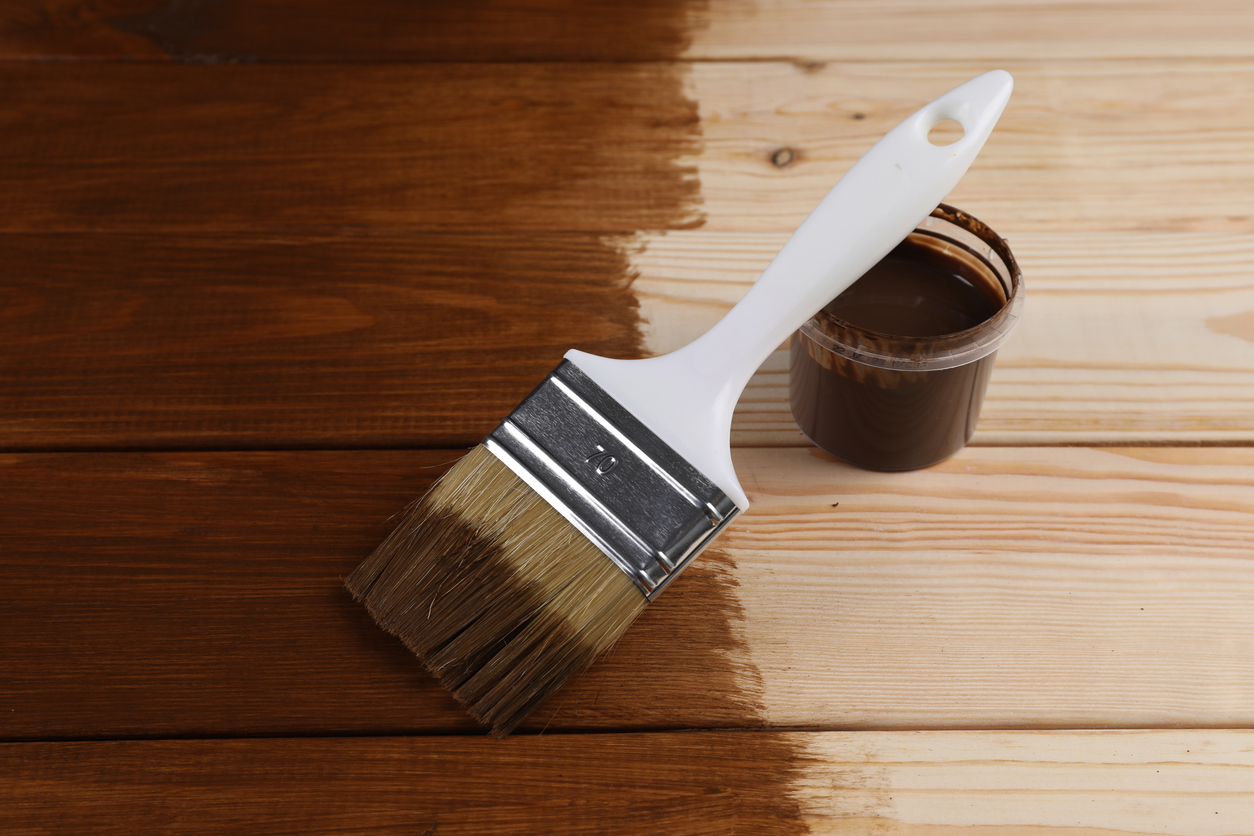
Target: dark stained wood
x,y
215,253
200,594
674,784
182,148
376,30
144,341
603,30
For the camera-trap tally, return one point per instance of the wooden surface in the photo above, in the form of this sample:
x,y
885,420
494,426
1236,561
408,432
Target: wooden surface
x,y
1073,783
144,341
268,267
942,601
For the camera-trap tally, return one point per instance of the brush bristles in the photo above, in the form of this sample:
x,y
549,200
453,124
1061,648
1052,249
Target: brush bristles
x,y
498,595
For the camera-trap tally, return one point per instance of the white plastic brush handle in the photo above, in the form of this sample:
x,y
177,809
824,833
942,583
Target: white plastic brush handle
x,y
687,397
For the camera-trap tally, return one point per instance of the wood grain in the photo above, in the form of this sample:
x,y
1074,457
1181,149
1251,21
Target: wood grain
x,y
836,30
325,147
1027,784
264,224
142,341
1085,373
972,30
1086,146
1191,783
1127,337
219,341
1005,588
1082,146
173,594
219,574
201,594
375,30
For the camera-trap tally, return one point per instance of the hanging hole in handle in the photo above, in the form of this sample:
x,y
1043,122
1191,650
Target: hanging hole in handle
x,y
945,132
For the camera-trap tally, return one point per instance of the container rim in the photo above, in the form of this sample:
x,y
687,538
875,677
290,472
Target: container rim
x,y
946,351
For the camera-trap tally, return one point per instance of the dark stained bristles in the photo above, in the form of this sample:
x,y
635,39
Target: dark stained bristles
x,y
500,597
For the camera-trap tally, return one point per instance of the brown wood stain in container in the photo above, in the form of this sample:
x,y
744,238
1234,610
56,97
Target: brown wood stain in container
x,y
891,374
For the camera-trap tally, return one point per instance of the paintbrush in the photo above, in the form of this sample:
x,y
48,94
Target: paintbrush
x,y
537,550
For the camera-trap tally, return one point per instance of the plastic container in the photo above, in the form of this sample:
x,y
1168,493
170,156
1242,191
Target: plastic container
x,y
900,401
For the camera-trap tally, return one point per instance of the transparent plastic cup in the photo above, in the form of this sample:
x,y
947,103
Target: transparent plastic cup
x,y
890,402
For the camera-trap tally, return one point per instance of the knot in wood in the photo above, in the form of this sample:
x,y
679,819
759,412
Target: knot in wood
x,y
783,157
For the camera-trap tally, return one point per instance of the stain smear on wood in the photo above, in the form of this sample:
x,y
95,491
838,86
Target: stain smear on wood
x,y
336,255
684,663
231,341
173,25
202,594
689,784
421,337
1235,325
365,30
227,617
347,147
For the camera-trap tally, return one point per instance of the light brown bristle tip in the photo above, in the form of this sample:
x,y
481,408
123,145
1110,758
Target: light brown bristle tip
x,y
501,598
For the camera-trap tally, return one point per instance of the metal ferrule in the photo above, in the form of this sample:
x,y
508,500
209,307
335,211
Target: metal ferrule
x,y
629,492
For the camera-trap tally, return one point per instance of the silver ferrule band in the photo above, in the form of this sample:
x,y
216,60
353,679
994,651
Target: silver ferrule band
x,y
632,495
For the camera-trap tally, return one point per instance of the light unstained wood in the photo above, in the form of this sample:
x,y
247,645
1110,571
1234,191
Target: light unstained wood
x,y
1183,783
1126,337
973,30
838,30
200,593
1027,783
1082,145
1007,587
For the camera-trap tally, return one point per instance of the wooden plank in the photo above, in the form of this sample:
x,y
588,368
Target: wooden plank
x,y
1035,784
250,341
1127,337
618,148
1191,783
974,30
1007,587
837,30
138,146
1083,145
143,341
199,593
324,30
